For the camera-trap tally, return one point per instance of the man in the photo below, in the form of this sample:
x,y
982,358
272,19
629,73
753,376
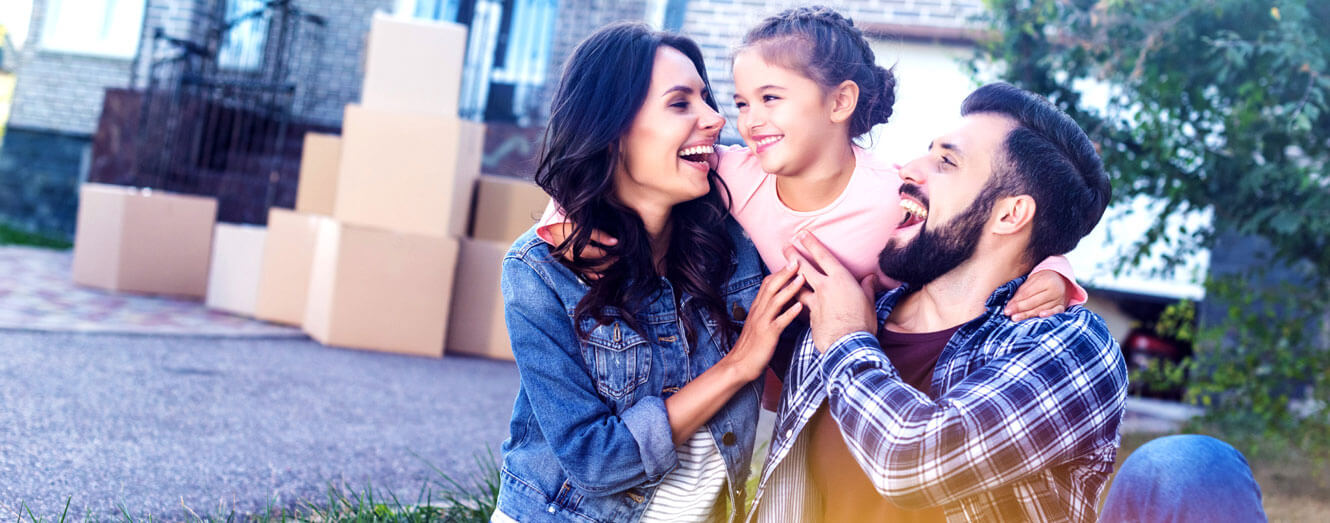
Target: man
x,y
933,405
950,408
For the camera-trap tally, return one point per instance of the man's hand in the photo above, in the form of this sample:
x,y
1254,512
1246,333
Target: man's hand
x,y
1042,295
556,233
837,304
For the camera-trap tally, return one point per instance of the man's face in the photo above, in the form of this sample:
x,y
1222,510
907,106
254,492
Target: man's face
x,y
948,197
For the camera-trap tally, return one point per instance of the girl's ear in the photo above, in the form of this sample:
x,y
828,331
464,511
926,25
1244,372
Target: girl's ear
x,y
844,99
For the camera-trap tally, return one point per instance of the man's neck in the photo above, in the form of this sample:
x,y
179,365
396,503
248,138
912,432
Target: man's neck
x,y
953,298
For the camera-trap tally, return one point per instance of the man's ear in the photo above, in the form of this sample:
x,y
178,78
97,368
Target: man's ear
x,y
1014,214
844,99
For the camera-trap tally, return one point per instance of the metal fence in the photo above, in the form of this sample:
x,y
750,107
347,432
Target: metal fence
x,y
217,114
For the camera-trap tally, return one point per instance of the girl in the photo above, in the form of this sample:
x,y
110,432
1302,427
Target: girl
x,y
637,399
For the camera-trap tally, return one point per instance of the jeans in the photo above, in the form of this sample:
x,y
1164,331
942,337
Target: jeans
x,y
1184,478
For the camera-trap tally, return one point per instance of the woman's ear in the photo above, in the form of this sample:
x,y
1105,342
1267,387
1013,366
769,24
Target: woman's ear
x,y
844,99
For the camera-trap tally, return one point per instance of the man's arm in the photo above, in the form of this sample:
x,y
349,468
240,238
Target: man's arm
x,y
1055,394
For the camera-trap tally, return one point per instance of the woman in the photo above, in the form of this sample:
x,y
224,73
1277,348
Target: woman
x,y
637,397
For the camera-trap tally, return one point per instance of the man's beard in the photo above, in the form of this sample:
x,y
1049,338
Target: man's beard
x,y
933,253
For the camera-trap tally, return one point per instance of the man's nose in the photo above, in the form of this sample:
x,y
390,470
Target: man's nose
x,y
914,172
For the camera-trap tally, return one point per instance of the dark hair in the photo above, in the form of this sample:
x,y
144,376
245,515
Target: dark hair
x,y
823,45
1049,157
604,85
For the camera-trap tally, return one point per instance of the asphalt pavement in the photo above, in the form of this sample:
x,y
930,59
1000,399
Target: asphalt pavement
x,y
168,425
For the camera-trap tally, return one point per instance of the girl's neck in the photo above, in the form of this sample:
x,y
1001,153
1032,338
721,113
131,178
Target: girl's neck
x,y
820,183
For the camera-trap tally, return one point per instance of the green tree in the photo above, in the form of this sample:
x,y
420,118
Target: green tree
x,y
1220,106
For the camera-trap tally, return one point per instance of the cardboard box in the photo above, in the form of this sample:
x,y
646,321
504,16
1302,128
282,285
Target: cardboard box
x,y
399,172
288,256
319,162
470,150
380,290
140,240
414,65
237,262
506,207
476,325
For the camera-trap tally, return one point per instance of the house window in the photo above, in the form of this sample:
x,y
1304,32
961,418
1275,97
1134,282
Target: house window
x,y
95,27
242,44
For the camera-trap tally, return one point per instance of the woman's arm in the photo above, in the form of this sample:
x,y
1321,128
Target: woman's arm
x,y
770,312
602,452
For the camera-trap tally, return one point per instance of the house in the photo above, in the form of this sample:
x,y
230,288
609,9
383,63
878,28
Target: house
x,y
75,50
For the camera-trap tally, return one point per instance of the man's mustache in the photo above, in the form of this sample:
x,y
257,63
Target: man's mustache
x,y
913,191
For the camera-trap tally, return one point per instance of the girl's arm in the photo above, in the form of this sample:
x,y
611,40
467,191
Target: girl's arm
x,y
1050,289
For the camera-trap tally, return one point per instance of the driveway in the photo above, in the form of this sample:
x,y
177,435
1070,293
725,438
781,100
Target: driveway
x,y
161,423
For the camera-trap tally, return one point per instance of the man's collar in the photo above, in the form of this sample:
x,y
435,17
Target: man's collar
x,y
996,301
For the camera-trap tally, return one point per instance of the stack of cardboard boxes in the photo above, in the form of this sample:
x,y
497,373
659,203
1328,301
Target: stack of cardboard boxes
x,y
504,209
383,229
367,258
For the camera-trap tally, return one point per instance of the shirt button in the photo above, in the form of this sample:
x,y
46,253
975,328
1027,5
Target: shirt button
x,y
789,433
728,438
551,509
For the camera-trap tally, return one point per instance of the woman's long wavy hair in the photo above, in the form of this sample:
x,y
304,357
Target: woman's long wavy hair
x,y
604,85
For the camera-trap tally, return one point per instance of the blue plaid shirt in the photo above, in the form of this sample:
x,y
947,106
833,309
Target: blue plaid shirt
x,y
1024,427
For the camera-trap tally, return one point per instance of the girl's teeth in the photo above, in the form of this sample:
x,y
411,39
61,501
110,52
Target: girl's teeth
x,y
768,140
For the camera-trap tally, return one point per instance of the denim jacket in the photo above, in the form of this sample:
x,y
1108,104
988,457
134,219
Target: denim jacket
x,y
589,438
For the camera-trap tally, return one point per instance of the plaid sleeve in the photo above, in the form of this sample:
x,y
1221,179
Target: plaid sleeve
x,y
1045,397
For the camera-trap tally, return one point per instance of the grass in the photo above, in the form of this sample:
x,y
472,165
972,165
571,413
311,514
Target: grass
x,y
1294,489
444,499
12,236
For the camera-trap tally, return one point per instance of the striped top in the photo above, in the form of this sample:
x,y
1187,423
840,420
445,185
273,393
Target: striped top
x,y
689,492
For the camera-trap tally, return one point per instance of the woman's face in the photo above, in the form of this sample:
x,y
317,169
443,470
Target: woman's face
x,y
664,157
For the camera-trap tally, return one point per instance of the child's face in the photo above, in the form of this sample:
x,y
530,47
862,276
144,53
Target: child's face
x,y
784,116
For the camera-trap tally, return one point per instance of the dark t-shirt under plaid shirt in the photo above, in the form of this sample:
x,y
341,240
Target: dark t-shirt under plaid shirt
x,y
1024,425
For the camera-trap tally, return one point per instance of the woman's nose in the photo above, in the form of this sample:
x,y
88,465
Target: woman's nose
x,y
711,120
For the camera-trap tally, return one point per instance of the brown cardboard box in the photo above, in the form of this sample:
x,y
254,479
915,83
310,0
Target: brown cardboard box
x,y
318,173
506,207
380,290
237,261
476,324
414,65
399,172
470,152
139,240
288,255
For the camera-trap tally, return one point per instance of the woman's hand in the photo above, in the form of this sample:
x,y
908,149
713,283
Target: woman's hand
x,y
556,233
1042,295
772,310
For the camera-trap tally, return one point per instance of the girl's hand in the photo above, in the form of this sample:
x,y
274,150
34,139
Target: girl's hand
x,y
558,232
1042,295
772,310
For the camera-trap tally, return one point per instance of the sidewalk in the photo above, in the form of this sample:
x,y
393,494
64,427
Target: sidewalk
x,y
38,294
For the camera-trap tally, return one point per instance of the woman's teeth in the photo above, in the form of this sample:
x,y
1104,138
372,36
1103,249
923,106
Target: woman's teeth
x,y
699,150
768,140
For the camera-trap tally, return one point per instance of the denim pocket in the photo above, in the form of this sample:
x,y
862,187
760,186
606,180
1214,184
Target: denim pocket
x,y
622,359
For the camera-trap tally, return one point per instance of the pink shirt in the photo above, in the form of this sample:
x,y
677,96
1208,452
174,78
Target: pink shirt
x,y
855,227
